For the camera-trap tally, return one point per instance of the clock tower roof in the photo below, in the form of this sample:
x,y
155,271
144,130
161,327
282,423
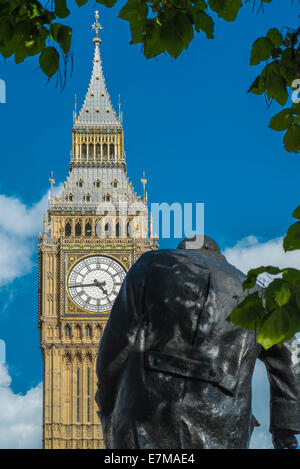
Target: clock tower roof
x,y
97,111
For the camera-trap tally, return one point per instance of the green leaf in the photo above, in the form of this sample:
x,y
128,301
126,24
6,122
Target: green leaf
x,y
152,43
34,10
297,295
199,5
257,86
205,23
296,213
26,29
275,36
277,89
217,5
283,120
249,313
81,2
262,49
292,276
30,43
282,294
276,327
292,139
61,9
232,9
6,28
64,38
176,34
55,27
254,273
292,240
49,61
287,58
107,3
134,10
226,9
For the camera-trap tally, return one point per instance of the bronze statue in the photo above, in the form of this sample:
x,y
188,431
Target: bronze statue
x,y
172,373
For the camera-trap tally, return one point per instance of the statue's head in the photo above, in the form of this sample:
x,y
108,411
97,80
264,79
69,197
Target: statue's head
x,y
203,245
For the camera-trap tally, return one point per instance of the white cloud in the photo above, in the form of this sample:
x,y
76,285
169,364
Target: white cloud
x,y
19,227
250,253
19,220
21,415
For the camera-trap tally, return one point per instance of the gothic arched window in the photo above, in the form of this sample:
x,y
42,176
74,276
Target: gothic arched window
x,y
98,152
91,151
107,197
83,150
88,229
80,183
118,230
97,183
88,331
87,198
112,149
68,228
78,229
104,149
77,331
114,183
67,330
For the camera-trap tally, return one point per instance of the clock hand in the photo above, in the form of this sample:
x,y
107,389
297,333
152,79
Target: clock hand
x,y
100,285
83,285
96,283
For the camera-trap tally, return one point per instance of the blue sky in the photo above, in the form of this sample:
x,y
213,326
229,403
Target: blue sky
x,y
189,123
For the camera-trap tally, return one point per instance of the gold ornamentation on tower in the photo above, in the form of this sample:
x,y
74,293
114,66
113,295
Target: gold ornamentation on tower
x,y
95,229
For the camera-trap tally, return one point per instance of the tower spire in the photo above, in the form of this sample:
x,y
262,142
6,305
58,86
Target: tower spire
x,y
97,111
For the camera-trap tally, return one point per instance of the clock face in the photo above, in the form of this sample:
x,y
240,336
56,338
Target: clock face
x,y
94,283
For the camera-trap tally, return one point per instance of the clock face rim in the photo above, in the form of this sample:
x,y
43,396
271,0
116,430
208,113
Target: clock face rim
x,y
71,269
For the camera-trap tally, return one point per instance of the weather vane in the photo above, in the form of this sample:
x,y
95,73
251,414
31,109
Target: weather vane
x,y
96,26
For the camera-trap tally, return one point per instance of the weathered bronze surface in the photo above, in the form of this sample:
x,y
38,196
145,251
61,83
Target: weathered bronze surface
x,y
173,373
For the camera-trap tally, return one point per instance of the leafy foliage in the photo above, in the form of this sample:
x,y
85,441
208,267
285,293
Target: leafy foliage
x,y
27,28
278,78
273,311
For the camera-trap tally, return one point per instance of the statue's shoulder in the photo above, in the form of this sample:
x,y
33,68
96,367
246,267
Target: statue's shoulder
x,y
168,257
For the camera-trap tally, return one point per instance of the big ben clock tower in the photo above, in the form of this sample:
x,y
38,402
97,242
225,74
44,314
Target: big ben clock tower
x,y
93,232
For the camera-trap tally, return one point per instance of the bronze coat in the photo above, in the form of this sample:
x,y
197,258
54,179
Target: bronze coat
x,y
172,373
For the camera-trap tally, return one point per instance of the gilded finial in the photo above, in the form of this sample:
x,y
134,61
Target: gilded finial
x,y
75,110
144,182
97,26
52,182
120,114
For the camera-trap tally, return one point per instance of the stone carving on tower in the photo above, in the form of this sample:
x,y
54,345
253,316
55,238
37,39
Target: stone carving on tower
x,y
94,230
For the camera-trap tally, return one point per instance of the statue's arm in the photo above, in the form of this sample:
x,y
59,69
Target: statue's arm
x,y
118,337
283,368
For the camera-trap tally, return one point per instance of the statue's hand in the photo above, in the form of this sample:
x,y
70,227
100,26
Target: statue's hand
x,y
284,439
